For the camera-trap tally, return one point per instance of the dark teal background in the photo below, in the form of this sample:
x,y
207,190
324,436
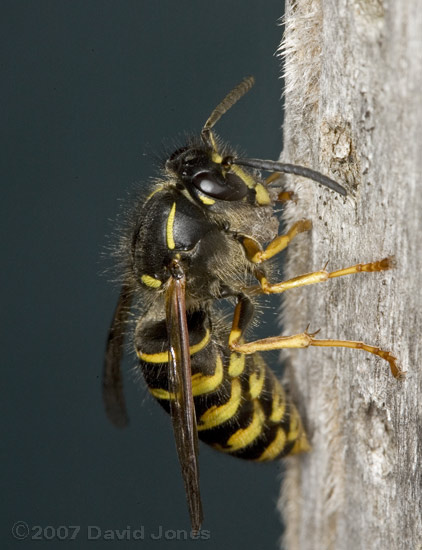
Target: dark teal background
x,y
90,92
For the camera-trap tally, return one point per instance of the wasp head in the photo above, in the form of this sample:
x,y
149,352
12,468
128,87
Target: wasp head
x,y
206,175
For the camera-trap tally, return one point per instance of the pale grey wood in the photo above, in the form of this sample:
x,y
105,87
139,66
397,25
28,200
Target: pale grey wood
x,y
354,111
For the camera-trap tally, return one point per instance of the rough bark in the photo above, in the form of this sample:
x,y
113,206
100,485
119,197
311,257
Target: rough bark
x,y
354,111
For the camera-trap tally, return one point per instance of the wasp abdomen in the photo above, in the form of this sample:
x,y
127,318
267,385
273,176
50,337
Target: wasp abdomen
x,y
241,407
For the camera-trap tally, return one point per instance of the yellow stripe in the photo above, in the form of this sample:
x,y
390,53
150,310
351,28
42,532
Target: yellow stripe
x,y
237,364
206,384
275,447
215,416
169,230
295,426
297,434
279,403
257,379
244,437
157,190
302,445
163,356
150,281
159,393
200,384
200,345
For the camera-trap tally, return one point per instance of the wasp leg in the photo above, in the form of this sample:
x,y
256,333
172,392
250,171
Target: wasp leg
x,y
283,196
244,310
286,196
256,255
305,340
320,276
243,313
272,177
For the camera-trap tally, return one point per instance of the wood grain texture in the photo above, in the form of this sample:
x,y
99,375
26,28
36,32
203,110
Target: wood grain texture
x,y
354,112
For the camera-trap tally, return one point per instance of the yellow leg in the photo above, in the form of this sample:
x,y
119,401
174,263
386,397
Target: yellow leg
x,y
286,196
256,255
283,196
305,340
382,265
272,177
321,276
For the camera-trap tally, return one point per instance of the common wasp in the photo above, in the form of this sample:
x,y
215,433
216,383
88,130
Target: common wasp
x,y
204,236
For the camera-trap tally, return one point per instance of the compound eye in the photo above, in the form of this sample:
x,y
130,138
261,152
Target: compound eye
x,y
208,183
214,184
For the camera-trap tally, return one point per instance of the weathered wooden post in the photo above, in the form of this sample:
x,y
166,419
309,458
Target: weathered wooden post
x,y
354,111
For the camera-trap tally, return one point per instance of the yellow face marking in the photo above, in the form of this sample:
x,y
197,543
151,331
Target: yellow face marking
x,y
150,281
244,176
279,404
206,384
256,381
237,364
163,356
245,436
206,200
215,415
262,196
169,229
275,447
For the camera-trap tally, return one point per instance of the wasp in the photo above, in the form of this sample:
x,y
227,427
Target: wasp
x,y
204,236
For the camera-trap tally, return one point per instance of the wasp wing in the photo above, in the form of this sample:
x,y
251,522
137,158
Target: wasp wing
x,y
113,397
181,405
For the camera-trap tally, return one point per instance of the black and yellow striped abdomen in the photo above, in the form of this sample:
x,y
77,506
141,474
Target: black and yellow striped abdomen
x,y
241,407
